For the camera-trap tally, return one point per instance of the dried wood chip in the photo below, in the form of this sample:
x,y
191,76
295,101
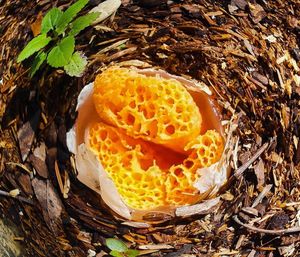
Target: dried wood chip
x,y
249,47
136,224
252,253
242,4
36,25
262,194
278,221
276,158
58,177
227,196
241,169
286,115
232,8
20,165
38,160
250,210
112,46
270,38
240,241
155,247
257,12
67,185
293,22
287,250
25,183
259,170
50,202
288,240
201,208
191,8
157,216
261,78
14,192
26,135
147,252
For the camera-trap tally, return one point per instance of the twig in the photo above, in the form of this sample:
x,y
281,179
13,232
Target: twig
x,y
267,231
238,172
241,169
20,198
156,247
261,195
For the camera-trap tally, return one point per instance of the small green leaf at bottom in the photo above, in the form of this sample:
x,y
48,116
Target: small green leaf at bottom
x,y
132,253
76,65
116,245
37,62
116,254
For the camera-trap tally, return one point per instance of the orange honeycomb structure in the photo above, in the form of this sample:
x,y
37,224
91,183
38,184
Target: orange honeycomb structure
x,y
140,172
149,140
205,150
151,108
131,164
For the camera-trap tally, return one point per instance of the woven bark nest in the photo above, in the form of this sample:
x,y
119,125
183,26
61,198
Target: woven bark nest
x,y
246,52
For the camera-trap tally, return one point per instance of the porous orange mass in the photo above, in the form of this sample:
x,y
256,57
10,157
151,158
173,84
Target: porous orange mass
x,y
148,140
154,109
141,173
205,150
131,164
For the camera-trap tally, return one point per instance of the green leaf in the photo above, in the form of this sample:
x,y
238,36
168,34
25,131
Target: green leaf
x,y
82,22
132,253
38,61
116,254
50,20
33,46
61,55
76,65
116,245
69,14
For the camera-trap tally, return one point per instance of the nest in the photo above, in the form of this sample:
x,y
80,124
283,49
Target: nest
x,y
247,53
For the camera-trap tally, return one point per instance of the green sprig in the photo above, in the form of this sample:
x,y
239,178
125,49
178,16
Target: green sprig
x,y
56,43
119,249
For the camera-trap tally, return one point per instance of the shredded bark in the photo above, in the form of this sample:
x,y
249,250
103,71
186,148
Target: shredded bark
x,y
247,52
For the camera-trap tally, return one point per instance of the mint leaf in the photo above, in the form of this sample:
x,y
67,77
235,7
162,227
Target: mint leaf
x,y
69,14
116,245
76,65
61,55
38,61
33,46
132,253
116,254
50,20
82,22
